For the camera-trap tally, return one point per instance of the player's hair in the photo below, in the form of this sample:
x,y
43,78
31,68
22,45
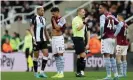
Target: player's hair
x,y
122,15
55,9
79,9
105,6
37,8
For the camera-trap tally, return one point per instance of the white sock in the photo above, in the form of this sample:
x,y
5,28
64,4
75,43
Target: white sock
x,y
61,72
58,72
41,71
116,74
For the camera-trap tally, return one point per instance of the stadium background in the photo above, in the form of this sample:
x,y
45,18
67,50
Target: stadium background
x,y
15,17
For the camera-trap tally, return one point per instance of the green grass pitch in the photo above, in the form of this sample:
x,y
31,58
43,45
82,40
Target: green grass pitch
x,y
68,76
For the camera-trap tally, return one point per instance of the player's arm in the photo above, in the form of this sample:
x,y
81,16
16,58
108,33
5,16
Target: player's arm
x,y
47,34
118,28
60,24
102,22
32,28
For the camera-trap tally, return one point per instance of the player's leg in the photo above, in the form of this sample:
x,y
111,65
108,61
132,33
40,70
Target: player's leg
x,y
57,59
60,59
81,57
114,66
106,52
61,65
112,58
82,62
119,62
36,49
35,63
124,62
44,58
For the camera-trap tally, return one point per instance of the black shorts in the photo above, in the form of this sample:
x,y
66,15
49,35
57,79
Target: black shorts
x,y
40,46
27,53
79,45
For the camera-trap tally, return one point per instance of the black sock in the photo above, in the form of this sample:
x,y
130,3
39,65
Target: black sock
x,y
35,63
27,66
78,65
44,62
82,63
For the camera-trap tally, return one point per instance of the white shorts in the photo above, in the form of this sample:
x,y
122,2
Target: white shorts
x,y
58,45
108,45
121,50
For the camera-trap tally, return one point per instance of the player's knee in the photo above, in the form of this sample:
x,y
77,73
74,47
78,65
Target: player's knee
x,y
60,54
111,56
106,55
36,56
35,59
45,54
118,60
83,55
124,58
45,57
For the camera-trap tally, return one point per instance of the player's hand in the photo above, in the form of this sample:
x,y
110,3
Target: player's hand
x,y
34,41
87,47
86,19
50,42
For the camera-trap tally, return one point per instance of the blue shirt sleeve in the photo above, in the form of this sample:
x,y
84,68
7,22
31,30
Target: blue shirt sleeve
x,y
102,23
118,28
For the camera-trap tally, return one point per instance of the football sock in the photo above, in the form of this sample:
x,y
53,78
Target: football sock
x,y
78,66
27,66
120,68
61,64
35,63
44,62
108,66
82,63
57,64
124,68
114,66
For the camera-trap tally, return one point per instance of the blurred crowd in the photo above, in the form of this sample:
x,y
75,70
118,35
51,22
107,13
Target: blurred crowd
x,y
9,8
10,43
92,24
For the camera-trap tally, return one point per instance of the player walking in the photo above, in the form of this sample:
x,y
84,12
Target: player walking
x,y
122,46
107,22
58,47
40,37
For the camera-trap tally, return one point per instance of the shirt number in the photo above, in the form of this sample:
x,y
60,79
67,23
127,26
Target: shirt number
x,y
111,26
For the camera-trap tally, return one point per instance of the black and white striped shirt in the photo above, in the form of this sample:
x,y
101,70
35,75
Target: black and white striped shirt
x,y
39,23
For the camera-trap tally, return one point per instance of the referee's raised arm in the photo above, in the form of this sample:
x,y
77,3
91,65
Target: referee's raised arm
x,y
78,29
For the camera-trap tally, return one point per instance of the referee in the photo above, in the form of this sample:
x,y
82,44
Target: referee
x,y
40,37
78,29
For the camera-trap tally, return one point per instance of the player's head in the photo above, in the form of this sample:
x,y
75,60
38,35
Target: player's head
x,y
40,10
81,12
55,11
120,16
103,8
